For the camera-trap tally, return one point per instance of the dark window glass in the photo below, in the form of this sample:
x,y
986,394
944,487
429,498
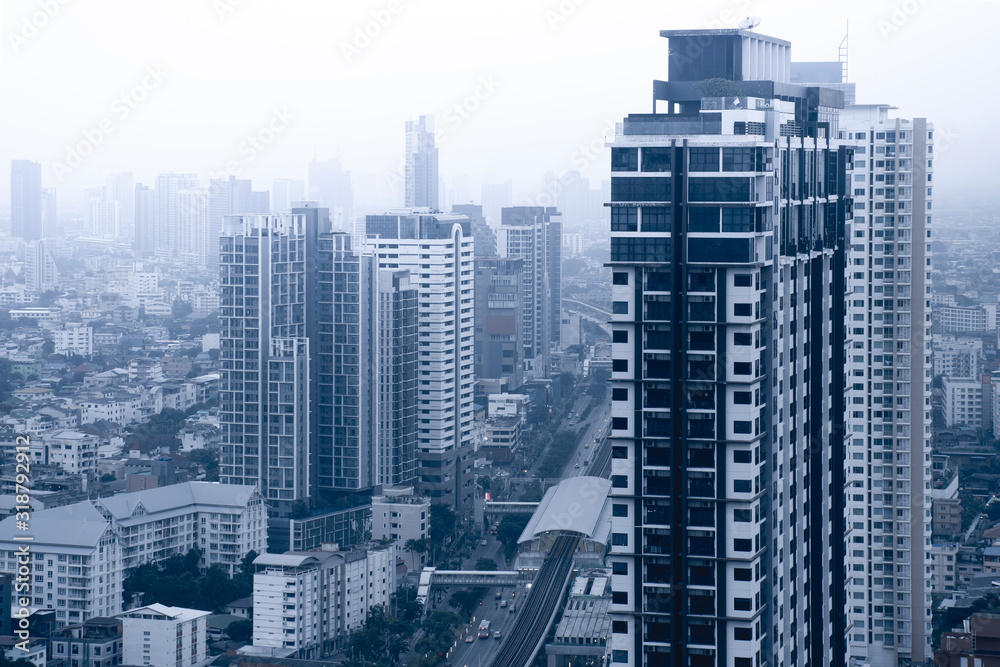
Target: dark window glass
x,y
737,220
619,307
717,189
703,159
618,452
655,219
701,340
624,159
619,656
619,278
742,368
742,309
742,280
619,481
741,604
742,339
619,509
619,423
624,219
656,158
631,188
742,574
741,398
619,394
742,516
619,365
742,545
640,250
619,539
737,159
658,281
703,219
742,455
619,627
742,427
742,486
619,336
701,311
743,634
711,250
744,662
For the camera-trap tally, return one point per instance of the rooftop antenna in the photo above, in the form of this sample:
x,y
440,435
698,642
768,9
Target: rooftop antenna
x,y
750,22
843,51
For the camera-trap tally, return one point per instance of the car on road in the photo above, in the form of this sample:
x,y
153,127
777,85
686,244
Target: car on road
x,y
470,639
497,635
503,604
577,465
512,609
498,596
483,543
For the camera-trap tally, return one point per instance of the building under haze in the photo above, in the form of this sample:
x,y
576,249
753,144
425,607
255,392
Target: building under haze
x,y
484,235
26,199
499,345
437,250
330,187
40,272
421,182
728,218
534,234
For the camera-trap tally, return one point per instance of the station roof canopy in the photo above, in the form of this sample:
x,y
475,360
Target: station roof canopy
x,y
576,505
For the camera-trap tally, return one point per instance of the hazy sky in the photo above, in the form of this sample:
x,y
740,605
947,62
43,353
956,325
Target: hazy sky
x,y
161,85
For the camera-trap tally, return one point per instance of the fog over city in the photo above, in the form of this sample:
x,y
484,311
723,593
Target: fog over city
x,y
519,87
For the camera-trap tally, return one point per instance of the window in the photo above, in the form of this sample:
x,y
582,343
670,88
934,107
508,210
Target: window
x,y
619,509
619,336
742,368
743,634
737,159
656,158
742,339
619,278
703,219
741,398
619,452
619,423
655,219
619,539
625,159
742,280
742,545
619,481
619,307
619,597
741,455
619,394
741,604
619,656
737,220
631,249
713,250
631,188
619,567
619,365
703,159
742,427
722,189
742,486
624,219
742,574
619,627
742,310
745,662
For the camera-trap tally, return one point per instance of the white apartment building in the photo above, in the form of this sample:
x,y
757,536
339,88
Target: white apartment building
x,y
40,271
969,319
943,563
161,636
73,451
958,357
74,559
400,515
963,402
313,600
509,405
74,339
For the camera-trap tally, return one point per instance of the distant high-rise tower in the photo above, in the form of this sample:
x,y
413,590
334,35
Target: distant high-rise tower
x,y
26,199
497,196
330,187
421,164
437,249
230,196
121,191
168,220
287,193
102,213
534,234
50,217
485,236
40,272
499,347
193,229
728,260
145,221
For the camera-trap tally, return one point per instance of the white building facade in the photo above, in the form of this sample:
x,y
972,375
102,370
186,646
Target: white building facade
x,y
162,636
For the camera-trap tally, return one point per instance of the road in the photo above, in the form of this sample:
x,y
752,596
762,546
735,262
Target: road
x,y
481,651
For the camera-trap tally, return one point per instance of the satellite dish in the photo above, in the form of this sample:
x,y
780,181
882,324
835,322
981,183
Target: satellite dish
x,y
750,22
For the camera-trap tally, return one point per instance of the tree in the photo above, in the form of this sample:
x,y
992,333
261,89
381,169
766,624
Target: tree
x,y
299,509
466,600
241,630
179,309
511,527
416,547
486,565
107,477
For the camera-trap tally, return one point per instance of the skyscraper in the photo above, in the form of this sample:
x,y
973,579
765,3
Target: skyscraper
x,y
40,272
168,219
121,190
286,193
330,187
228,197
26,199
437,249
534,234
145,221
728,260
499,345
484,235
102,213
421,164
50,218
497,196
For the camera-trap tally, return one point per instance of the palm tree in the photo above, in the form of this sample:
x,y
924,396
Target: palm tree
x,y
415,547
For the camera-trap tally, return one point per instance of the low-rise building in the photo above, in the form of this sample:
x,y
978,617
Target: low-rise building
x,y
977,643
161,636
503,437
400,515
97,642
509,405
963,402
943,567
73,451
958,357
74,339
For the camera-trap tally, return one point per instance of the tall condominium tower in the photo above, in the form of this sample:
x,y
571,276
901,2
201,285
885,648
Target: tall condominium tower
x,y
437,249
50,218
499,347
889,386
727,254
421,164
170,213
26,199
121,190
305,365
484,235
229,197
534,234
330,187
103,213
144,244
40,271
